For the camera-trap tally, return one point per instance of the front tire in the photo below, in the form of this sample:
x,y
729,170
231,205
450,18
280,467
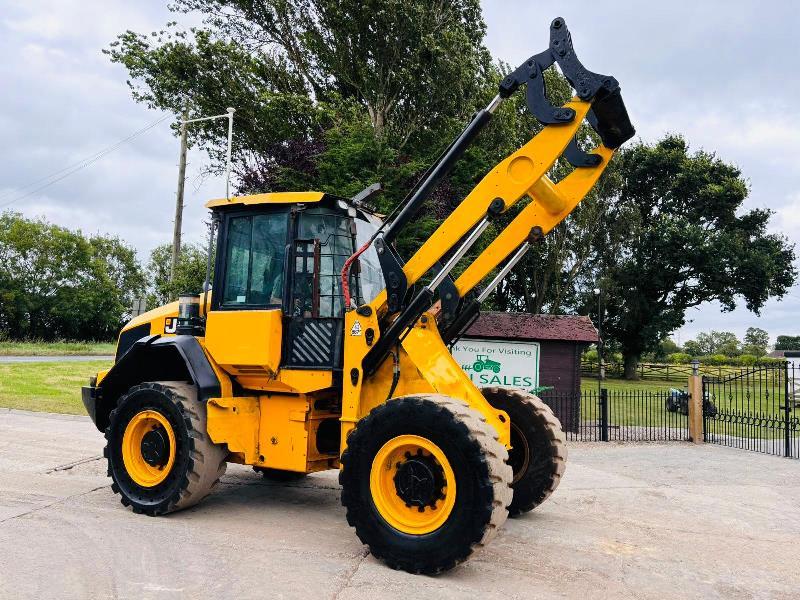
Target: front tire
x,y
538,455
424,482
159,454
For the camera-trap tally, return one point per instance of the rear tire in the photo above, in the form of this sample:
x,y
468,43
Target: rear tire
x,y
538,456
458,462
192,465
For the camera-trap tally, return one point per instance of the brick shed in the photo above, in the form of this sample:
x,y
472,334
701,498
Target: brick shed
x,y
562,340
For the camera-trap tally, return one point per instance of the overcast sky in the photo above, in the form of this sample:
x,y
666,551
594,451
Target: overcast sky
x,y
723,74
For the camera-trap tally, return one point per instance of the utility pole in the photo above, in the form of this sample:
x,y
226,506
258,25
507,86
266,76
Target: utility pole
x,y
176,238
176,234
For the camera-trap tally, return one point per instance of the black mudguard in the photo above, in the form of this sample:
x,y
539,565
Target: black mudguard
x,y
151,358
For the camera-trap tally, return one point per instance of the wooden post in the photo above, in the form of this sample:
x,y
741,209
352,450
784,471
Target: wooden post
x,y
176,233
696,404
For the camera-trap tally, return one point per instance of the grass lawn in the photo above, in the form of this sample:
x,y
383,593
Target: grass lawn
x,y
46,386
588,383
56,348
638,403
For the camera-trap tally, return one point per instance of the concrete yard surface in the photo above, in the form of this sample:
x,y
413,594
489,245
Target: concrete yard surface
x,y
665,520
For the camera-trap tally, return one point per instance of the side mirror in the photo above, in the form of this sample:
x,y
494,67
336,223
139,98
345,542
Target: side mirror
x,y
366,194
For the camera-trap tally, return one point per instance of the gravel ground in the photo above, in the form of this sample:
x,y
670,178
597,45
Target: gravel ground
x,y
659,520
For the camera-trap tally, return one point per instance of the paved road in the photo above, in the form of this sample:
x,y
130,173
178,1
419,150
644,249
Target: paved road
x,y
629,521
68,358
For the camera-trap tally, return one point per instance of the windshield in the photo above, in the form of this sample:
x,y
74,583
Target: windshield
x,y
371,277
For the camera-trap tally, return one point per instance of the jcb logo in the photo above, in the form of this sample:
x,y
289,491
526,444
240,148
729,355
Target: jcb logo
x,y
170,324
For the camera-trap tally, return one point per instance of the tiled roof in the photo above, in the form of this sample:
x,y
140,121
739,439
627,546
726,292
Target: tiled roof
x,y
524,326
784,354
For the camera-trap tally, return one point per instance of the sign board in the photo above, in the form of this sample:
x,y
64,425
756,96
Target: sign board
x,y
498,362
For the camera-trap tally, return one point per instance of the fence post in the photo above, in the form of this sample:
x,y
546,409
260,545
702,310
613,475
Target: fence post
x,y
603,415
787,408
696,404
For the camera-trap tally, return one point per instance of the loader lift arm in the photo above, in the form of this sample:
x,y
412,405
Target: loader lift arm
x,y
523,173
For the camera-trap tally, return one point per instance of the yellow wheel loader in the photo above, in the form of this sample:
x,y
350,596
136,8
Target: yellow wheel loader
x,y
320,348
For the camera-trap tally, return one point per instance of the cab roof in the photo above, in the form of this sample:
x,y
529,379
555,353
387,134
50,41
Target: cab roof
x,y
270,198
291,198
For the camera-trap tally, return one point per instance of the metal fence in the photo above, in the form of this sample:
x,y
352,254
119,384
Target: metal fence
x,y
755,409
621,415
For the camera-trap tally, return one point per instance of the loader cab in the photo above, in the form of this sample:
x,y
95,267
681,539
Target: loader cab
x,y
277,280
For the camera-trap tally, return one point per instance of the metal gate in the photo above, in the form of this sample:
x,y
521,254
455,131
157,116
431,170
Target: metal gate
x,y
755,409
621,415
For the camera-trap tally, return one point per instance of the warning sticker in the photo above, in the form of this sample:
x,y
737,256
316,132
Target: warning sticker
x,y
356,328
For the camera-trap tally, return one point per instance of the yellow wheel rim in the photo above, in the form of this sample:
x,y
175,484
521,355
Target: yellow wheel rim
x,y
401,472
144,472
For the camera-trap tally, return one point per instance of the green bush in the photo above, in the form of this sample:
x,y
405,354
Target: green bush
x,y
766,360
716,360
747,359
679,358
56,283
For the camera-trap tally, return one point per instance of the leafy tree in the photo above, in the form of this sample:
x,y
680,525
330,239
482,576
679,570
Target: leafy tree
x,y
294,69
335,95
664,349
190,273
718,342
59,284
692,348
756,341
410,64
676,236
788,342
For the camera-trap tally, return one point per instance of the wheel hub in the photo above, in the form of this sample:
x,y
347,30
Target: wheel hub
x,y
155,447
148,448
419,480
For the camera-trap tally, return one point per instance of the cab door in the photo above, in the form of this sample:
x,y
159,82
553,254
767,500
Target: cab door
x,y
323,241
244,329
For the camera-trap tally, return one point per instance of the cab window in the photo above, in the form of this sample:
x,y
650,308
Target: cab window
x,y
254,259
334,245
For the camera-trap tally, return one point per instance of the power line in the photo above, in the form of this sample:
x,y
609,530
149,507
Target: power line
x,y
57,176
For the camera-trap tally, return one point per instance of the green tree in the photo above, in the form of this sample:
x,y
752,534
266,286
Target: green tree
x,y
58,284
676,236
692,348
331,95
788,342
665,348
718,342
756,341
410,64
190,273
295,69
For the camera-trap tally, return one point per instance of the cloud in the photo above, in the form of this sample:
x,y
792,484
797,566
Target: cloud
x,y
719,75
64,101
787,218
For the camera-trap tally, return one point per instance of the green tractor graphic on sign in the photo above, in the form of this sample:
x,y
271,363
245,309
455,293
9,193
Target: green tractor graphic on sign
x,y
484,362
